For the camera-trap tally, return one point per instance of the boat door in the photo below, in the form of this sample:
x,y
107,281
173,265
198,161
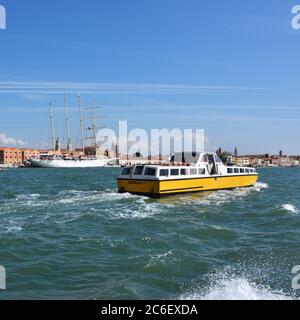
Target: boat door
x,y
212,167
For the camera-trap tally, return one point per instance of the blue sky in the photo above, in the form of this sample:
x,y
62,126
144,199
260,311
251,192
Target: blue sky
x,y
229,67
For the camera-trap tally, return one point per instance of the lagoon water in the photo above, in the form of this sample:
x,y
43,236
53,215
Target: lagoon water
x,y
67,233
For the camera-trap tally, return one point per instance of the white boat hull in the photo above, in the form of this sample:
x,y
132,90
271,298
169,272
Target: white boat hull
x,y
70,163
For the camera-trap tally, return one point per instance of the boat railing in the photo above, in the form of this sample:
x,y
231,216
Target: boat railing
x,y
172,164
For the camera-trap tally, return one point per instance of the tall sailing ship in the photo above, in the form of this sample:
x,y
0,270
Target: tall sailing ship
x,y
58,160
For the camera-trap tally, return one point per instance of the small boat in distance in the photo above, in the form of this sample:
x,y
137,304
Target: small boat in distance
x,y
194,173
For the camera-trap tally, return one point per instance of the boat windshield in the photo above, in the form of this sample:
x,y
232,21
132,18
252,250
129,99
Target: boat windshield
x,y
218,160
126,172
138,170
185,157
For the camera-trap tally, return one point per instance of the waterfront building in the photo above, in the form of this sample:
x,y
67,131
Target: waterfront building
x,y
29,153
10,156
242,161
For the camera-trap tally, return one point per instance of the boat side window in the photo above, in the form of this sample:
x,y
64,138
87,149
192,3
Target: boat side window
x,y
236,170
229,170
138,170
202,171
183,172
242,170
174,172
150,172
164,173
126,172
193,172
247,171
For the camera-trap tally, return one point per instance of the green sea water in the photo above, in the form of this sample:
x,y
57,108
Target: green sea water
x,y
68,234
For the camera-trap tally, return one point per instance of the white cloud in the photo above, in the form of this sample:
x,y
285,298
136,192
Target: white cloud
x,y
9,141
47,87
32,96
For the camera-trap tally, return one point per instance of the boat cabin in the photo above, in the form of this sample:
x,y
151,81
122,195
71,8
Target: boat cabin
x,y
186,166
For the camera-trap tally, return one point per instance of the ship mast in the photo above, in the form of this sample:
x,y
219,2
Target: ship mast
x,y
69,143
52,126
93,127
81,123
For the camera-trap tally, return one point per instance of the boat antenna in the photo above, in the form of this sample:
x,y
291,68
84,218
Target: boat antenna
x,y
69,143
52,126
81,122
94,128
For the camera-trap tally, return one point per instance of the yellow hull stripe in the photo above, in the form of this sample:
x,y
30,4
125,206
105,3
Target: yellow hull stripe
x,y
161,187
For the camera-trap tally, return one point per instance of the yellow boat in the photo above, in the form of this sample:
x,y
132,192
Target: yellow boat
x,y
197,172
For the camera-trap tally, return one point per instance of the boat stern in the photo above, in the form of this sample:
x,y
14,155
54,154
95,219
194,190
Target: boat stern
x,y
139,187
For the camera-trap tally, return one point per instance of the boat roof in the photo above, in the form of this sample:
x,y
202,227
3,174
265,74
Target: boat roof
x,y
189,157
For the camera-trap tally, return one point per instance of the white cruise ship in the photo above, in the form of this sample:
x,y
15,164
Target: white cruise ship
x,y
57,161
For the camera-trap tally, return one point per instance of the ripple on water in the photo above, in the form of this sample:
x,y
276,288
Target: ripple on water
x,y
161,259
123,206
290,208
219,197
76,196
11,225
139,208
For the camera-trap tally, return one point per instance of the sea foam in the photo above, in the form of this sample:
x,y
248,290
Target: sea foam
x,y
220,197
289,207
236,289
